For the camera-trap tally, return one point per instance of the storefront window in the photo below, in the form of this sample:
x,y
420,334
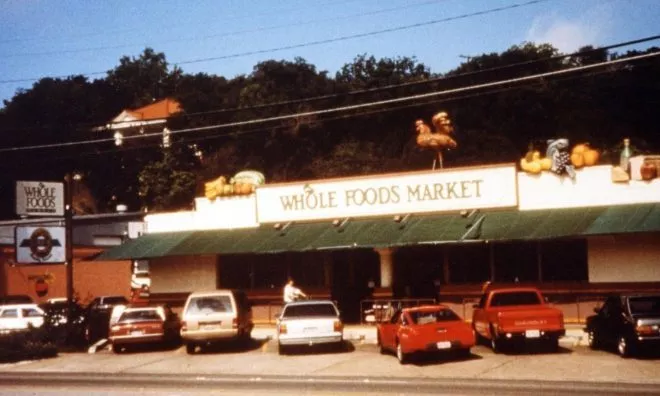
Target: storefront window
x,y
516,262
235,271
270,272
468,263
306,269
564,260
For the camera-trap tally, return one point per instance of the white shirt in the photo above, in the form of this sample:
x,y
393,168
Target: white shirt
x,y
290,293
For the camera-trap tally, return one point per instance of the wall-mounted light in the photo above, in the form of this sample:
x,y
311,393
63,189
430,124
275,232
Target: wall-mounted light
x,y
282,227
340,223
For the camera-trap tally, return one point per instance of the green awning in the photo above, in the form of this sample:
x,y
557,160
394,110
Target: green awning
x,y
383,232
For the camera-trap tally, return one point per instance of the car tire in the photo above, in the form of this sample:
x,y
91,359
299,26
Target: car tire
x,y
495,342
624,347
592,341
117,349
400,355
190,348
381,348
464,353
553,344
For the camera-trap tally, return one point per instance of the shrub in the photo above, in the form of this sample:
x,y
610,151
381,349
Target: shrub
x,y
27,344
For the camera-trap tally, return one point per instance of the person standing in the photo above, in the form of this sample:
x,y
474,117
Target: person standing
x,y
292,293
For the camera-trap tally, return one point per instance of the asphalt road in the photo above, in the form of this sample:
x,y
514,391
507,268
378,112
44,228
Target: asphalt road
x,y
358,368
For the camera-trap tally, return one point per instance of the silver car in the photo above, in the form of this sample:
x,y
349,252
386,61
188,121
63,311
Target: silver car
x,y
215,316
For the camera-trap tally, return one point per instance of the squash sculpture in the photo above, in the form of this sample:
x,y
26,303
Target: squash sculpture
x,y
439,139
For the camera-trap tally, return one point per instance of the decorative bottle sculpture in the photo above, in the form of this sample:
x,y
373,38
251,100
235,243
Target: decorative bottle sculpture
x,y
626,153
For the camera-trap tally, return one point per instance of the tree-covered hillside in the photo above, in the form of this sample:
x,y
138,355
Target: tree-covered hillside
x,y
317,125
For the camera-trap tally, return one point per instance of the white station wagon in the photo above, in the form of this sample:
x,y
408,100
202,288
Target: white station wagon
x,y
20,317
309,323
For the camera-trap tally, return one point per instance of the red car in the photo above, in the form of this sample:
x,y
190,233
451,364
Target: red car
x,y
144,325
428,328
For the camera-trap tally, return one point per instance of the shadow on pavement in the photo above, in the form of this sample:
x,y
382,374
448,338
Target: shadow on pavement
x,y
345,347
232,346
535,349
427,359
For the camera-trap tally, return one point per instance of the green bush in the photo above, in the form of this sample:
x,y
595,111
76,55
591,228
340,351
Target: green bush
x,y
25,345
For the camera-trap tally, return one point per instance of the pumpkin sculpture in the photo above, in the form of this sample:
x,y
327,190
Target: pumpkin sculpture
x,y
438,140
583,155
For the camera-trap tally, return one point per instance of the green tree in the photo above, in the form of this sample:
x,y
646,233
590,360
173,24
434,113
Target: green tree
x,y
168,184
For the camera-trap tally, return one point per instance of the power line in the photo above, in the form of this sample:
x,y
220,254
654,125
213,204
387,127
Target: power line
x,y
227,34
362,35
319,42
444,78
427,81
324,120
346,108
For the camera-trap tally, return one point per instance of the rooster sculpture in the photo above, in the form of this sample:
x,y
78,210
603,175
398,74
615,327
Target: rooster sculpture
x,y
439,139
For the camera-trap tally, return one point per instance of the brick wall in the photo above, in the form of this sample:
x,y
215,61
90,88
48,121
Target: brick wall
x,y
90,278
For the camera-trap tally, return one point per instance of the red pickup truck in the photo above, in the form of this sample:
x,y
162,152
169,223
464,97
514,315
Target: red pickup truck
x,y
505,316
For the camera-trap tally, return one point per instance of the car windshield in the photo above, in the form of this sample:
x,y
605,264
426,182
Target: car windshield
x,y
515,298
209,304
645,305
426,317
309,310
140,315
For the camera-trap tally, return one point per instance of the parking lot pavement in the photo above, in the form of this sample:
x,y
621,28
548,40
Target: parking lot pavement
x,y
360,359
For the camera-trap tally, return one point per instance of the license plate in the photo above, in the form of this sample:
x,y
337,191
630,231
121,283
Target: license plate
x,y
137,332
210,327
444,345
532,333
309,329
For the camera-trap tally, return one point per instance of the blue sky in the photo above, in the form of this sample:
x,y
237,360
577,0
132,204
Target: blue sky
x,y
41,38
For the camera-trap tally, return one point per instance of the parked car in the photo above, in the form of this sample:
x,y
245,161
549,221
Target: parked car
x,y
16,299
144,325
98,314
309,323
57,311
627,322
517,314
16,317
427,328
215,316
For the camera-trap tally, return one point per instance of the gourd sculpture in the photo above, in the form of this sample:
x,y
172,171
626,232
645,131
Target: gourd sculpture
x,y
437,140
243,183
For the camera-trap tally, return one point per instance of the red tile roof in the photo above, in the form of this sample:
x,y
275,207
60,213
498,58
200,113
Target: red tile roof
x,y
157,110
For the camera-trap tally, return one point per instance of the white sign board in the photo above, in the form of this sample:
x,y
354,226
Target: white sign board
x,y
34,198
396,194
40,245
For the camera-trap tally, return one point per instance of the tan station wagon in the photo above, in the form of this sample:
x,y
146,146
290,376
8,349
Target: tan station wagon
x,y
215,316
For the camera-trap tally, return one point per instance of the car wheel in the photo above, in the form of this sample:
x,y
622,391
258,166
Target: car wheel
x,y
190,348
495,342
400,355
464,353
624,347
117,349
592,341
553,344
381,348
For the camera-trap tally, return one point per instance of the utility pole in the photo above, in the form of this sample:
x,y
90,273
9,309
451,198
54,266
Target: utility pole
x,y
68,252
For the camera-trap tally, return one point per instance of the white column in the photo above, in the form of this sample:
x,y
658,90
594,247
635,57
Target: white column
x,y
386,266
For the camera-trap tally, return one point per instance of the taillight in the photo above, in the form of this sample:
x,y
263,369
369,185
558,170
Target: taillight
x,y
646,329
184,325
282,328
338,325
115,328
234,323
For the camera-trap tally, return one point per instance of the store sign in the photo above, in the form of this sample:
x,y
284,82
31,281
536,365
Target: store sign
x,y
39,198
36,245
396,194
